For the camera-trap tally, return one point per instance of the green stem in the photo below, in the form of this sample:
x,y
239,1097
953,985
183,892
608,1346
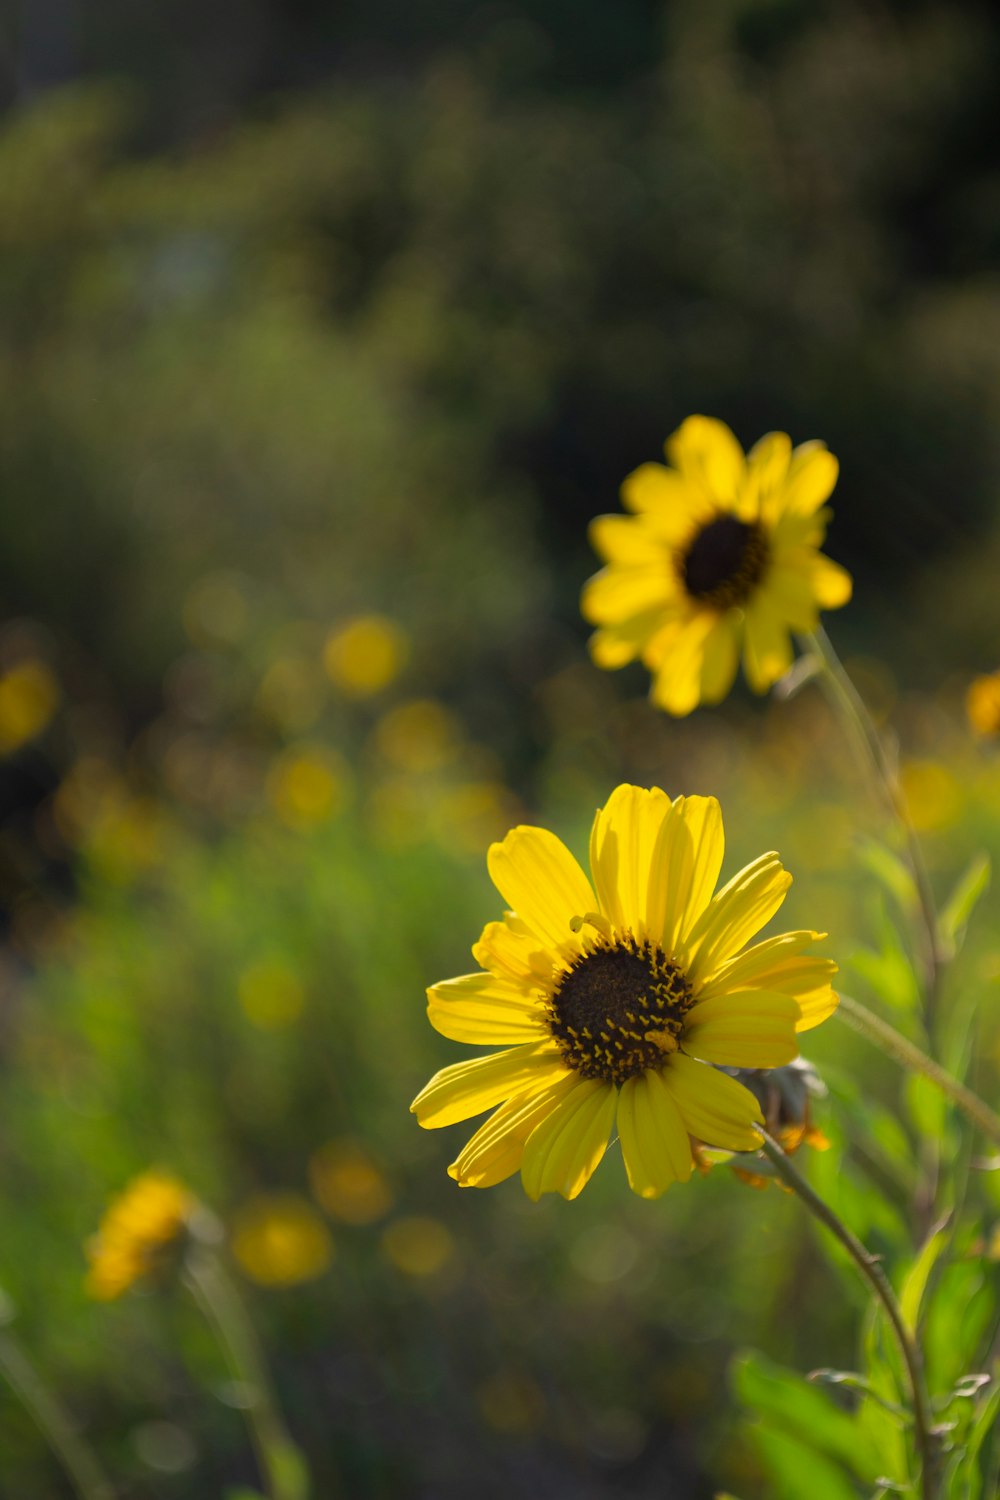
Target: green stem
x,y
282,1466
871,1269
876,763
55,1423
905,1052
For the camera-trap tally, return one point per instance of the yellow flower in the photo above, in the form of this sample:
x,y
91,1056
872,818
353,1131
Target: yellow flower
x,y
29,695
364,655
982,705
280,1240
136,1230
721,552
615,999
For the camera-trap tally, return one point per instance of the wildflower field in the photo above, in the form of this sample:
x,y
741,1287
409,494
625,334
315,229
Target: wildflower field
x,y
500,755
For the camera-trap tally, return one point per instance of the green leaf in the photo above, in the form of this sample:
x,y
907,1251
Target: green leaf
x,y
912,1295
888,970
790,1461
927,1106
877,1417
244,1494
964,898
970,1475
957,1323
786,1400
892,873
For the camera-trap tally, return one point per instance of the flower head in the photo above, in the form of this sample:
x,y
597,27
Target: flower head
x,y
135,1232
613,1001
720,553
982,705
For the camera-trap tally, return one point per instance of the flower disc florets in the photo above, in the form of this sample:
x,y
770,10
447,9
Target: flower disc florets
x,y
724,562
619,1010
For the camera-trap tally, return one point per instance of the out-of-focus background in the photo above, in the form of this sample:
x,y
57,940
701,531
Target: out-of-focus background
x,y
324,331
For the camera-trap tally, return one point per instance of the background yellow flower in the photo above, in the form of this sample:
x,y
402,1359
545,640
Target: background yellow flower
x,y
720,555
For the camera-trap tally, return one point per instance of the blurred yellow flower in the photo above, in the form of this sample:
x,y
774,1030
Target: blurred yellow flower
x,y
348,1184
419,736
271,994
933,795
135,1232
615,1000
982,705
280,1240
29,694
308,785
364,655
720,554
417,1246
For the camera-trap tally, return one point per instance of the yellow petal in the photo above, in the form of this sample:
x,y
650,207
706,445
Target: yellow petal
x,y
812,475
510,950
678,659
720,658
494,1153
790,593
831,584
468,1088
670,877
767,463
616,645
714,1107
767,650
621,851
539,878
619,592
624,539
705,450
750,1029
563,1151
666,498
779,964
739,910
485,1011
703,819
655,1145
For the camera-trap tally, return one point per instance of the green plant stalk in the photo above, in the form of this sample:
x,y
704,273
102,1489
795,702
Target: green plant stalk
x,y
281,1464
872,754
908,1055
871,1269
54,1422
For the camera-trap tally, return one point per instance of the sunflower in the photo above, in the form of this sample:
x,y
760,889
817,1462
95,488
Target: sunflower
x,y
136,1232
721,552
614,1000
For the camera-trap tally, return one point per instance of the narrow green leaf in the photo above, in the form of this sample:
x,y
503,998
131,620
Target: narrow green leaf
x,y
964,898
970,1474
790,1460
912,1295
788,1401
892,873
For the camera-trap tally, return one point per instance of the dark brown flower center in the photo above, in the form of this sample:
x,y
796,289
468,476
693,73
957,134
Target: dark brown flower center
x,y
725,562
619,1010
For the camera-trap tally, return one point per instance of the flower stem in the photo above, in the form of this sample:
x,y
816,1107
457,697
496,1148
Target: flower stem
x,y
878,766
56,1425
905,1052
871,1269
282,1466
